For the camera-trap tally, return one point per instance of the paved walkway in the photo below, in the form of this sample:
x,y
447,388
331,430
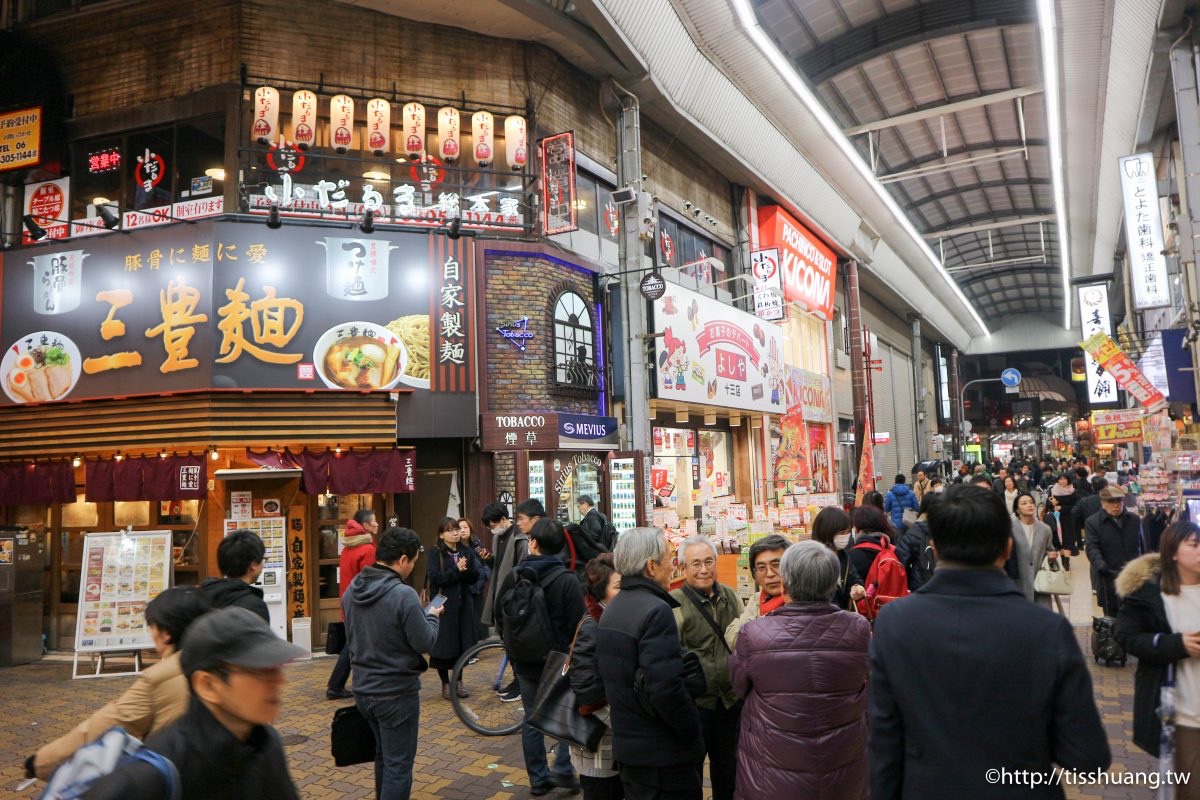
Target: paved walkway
x,y
40,701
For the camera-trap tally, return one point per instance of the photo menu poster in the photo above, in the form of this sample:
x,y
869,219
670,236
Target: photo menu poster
x,y
272,532
122,572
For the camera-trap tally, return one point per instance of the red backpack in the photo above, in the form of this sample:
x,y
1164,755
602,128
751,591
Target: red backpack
x,y
886,579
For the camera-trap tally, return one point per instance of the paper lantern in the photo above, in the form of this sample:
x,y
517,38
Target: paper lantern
x,y
379,125
448,125
516,144
341,122
265,126
414,130
482,134
304,119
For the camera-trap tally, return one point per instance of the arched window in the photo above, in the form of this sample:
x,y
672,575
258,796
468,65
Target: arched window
x,y
574,342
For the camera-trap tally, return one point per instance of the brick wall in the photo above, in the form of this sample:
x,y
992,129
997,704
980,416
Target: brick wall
x,y
520,286
504,474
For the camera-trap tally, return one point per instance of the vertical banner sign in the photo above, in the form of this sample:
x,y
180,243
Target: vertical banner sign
x,y
558,183
1114,360
1143,232
48,203
1093,319
21,138
768,295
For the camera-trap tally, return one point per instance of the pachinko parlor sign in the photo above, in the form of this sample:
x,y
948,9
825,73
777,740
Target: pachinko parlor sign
x,y
230,307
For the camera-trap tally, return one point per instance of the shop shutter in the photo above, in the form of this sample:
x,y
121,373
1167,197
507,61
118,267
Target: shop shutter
x,y
905,435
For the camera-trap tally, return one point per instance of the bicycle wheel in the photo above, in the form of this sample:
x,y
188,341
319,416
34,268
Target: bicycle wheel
x,y
482,671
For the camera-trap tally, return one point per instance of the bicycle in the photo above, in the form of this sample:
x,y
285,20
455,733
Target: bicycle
x,y
482,671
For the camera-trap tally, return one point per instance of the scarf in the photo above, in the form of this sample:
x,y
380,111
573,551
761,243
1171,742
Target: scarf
x,y
768,604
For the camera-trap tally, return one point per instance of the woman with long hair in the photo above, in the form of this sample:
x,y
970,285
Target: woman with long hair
x,y
1159,622
453,569
468,535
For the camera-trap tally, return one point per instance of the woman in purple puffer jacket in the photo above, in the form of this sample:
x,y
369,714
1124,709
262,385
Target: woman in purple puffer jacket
x,y
802,672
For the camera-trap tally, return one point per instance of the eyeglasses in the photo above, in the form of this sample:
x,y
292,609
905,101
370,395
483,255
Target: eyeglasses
x,y
707,563
767,568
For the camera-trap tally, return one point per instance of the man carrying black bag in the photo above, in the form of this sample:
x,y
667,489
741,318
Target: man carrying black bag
x,y
387,630
540,606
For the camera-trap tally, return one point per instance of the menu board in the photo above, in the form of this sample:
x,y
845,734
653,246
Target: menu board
x,y
122,572
623,493
272,532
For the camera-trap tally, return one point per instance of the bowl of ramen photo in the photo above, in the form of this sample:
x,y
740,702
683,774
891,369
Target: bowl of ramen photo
x,y
360,355
413,332
40,367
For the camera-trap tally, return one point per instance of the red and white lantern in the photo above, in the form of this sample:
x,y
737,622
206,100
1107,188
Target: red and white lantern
x,y
448,138
341,122
516,142
379,125
265,126
414,130
483,135
304,119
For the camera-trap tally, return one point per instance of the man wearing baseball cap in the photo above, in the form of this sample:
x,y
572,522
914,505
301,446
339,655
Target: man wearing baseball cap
x,y
224,746
1113,539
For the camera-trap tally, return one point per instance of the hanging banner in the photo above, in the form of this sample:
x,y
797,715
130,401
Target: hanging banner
x,y
1143,232
866,466
1156,432
768,295
558,183
1094,318
1110,356
1124,425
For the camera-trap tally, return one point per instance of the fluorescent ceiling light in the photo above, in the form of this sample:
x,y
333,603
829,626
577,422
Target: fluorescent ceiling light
x,y
1046,28
797,84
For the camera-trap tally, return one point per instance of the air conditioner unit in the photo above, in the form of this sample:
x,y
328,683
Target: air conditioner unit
x,y
841,359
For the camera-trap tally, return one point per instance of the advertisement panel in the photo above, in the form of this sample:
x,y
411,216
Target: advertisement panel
x,y
1128,376
239,306
49,203
1094,318
1144,232
558,184
122,572
812,392
20,138
708,352
768,294
808,267
1124,425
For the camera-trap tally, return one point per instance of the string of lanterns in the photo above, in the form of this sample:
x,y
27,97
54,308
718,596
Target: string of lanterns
x,y
265,129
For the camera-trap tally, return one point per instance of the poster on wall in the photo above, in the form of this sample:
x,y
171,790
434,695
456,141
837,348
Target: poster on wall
x,y
49,203
792,458
711,353
122,572
272,531
235,306
822,462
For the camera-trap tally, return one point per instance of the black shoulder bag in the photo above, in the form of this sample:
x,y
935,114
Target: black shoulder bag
x,y
694,596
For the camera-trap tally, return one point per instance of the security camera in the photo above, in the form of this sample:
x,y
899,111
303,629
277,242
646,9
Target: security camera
x,y
696,213
687,205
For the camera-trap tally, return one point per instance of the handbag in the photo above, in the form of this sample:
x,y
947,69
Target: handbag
x,y
351,738
1052,578
335,638
555,710
909,517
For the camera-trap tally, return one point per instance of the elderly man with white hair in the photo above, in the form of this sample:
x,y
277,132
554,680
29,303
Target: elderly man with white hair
x,y
802,672
706,609
655,726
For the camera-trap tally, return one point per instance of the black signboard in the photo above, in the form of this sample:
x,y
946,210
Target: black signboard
x,y
558,183
653,286
241,306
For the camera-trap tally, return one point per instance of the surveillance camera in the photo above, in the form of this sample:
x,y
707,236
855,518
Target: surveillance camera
x,y
687,205
696,213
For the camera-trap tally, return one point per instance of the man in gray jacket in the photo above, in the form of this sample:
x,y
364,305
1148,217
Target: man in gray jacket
x,y
387,630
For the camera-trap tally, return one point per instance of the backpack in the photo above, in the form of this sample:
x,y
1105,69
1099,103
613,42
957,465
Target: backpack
x,y
609,537
922,560
525,620
886,579
114,749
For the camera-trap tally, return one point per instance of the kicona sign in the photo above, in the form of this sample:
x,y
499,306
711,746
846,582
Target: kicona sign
x,y
808,266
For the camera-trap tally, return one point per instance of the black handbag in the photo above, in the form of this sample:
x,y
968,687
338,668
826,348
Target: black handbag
x,y
351,738
555,710
335,638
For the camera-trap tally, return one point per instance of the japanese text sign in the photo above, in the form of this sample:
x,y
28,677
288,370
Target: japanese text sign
x,y
808,267
558,183
1094,318
1143,232
1110,356
20,138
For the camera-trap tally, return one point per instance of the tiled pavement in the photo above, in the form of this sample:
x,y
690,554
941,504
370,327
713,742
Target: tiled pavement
x,y
40,701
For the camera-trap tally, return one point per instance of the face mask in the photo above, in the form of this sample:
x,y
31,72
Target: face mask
x,y
841,540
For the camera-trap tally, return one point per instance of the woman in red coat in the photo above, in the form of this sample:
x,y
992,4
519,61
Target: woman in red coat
x,y
802,672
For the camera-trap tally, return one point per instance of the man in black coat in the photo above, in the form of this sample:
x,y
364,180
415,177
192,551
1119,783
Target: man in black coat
x,y
240,559
1113,539
1090,504
949,718
656,729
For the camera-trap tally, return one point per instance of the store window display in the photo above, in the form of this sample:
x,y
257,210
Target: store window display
x,y
690,467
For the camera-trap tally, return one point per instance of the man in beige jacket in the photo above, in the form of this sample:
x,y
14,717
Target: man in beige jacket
x,y
156,699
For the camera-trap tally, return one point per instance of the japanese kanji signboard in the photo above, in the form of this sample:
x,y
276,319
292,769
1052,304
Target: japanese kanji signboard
x,y
20,138
1114,360
1143,232
234,306
1094,318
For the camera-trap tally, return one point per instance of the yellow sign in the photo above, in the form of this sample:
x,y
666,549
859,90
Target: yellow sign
x,y
21,138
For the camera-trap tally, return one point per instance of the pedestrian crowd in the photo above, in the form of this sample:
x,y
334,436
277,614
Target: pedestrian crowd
x,y
878,659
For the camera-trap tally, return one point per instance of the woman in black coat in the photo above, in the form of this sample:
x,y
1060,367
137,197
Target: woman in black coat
x,y
1144,630
832,529
453,569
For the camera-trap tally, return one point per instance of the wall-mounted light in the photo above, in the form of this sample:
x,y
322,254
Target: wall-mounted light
x,y
367,225
76,462
454,228
36,232
337,451
710,418
756,422
376,175
213,454
735,420
108,216
162,453
273,221
216,173
119,457
681,415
